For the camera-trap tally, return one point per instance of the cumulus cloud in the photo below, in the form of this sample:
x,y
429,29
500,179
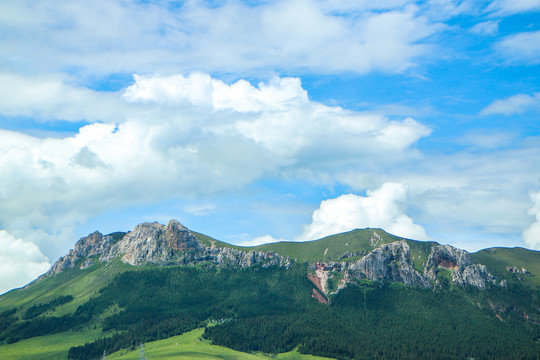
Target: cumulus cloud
x,y
260,240
383,208
181,137
232,36
521,48
531,235
20,262
516,104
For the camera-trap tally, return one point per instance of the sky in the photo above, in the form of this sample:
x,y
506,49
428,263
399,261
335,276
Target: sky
x,y
259,121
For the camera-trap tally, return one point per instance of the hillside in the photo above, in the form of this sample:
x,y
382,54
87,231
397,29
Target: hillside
x,y
361,294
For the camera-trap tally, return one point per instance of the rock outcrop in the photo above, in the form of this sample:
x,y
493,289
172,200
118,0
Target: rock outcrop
x,y
92,245
516,270
464,272
389,262
392,263
153,243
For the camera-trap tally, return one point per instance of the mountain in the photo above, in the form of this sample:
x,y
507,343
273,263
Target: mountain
x,y
361,294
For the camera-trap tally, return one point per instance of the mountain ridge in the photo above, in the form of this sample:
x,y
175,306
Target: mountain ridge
x,y
362,294
371,254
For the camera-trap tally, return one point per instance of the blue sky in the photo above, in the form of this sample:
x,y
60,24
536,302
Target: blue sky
x,y
258,121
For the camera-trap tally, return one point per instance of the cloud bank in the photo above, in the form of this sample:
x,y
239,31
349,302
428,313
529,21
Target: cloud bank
x,y
229,37
178,136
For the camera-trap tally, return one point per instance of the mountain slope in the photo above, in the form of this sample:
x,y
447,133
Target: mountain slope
x,y
360,294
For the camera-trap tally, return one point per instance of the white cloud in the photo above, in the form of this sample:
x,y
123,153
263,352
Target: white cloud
x,y
482,139
179,137
450,191
511,7
383,208
20,262
445,9
521,48
516,104
141,37
265,239
50,98
486,28
200,209
362,5
531,235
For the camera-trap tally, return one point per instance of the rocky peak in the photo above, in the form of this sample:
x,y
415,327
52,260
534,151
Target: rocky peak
x,y
154,243
162,245
87,247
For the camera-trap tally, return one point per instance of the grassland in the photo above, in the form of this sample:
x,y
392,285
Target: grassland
x,y
81,284
182,347
50,347
331,248
191,346
497,259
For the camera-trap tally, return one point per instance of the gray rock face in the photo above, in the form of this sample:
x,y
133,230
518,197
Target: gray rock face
x,y
91,245
162,245
446,256
155,243
474,275
390,262
464,272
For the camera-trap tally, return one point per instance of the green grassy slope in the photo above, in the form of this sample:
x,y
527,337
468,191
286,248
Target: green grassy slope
x,y
50,347
190,346
497,259
331,248
182,347
81,284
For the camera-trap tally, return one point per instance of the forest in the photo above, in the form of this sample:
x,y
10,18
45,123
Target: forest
x,y
271,310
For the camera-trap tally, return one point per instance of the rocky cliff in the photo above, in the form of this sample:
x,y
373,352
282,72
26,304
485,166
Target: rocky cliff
x,y
464,272
392,263
153,243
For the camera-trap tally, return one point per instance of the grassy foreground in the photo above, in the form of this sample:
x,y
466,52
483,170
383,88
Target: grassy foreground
x,y
189,346
181,347
54,346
